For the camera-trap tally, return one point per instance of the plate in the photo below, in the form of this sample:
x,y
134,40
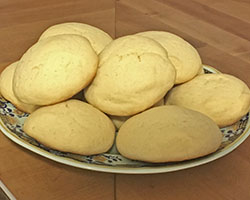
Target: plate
x,y
11,122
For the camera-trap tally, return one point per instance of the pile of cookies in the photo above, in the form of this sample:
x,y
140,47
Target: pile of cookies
x,y
80,86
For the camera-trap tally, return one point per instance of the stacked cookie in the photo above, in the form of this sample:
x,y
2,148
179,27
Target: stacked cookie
x,y
149,85
60,65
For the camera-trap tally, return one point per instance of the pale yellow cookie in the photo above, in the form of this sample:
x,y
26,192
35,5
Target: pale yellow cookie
x,y
130,83
6,90
224,98
97,37
167,134
71,126
131,45
54,69
183,55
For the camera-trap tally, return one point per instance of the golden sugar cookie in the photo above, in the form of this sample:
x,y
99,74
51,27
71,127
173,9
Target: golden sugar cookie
x,y
134,73
183,55
97,37
127,86
168,134
71,126
54,69
6,89
222,97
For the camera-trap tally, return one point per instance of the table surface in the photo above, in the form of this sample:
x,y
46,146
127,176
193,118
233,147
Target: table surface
x,y
218,29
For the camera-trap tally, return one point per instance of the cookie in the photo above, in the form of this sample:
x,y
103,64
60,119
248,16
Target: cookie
x,y
222,97
131,80
54,69
97,37
183,55
168,134
71,126
6,90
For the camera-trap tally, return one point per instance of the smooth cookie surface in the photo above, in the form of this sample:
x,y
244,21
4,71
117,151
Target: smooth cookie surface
x,y
224,98
6,89
167,134
71,126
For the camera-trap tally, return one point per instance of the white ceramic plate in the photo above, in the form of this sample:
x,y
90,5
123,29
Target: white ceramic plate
x,y
11,122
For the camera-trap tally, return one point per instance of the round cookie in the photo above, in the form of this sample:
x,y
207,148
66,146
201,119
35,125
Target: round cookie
x,y
131,45
54,69
71,126
168,134
224,98
97,37
130,83
6,89
184,56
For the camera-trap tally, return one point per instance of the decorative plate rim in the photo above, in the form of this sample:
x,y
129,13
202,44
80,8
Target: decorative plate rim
x,y
131,170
